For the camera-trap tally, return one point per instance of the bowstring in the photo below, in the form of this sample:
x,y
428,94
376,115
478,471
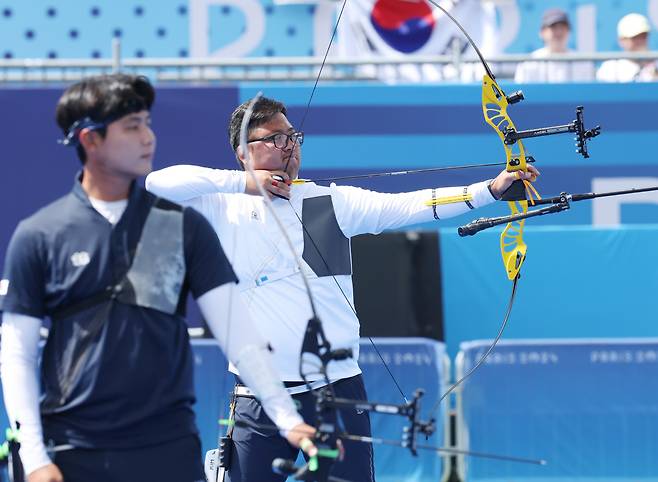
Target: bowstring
x,y
301,127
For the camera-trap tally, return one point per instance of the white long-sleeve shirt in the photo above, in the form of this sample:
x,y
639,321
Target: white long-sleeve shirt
x,y
269,282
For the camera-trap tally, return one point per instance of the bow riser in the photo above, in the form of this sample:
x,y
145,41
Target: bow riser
x,y
494,107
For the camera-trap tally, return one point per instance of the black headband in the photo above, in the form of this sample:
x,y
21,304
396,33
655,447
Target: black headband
x,y
72,138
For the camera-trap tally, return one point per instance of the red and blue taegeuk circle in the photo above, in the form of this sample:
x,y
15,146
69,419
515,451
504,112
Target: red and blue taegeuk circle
x,y
404,25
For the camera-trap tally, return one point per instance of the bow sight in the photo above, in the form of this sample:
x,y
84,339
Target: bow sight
x,y
511,135
577,126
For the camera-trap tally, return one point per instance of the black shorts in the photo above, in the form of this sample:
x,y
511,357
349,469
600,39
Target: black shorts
x,y
174,461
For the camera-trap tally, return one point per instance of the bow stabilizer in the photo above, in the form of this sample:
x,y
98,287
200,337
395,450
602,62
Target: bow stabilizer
x,y
558,204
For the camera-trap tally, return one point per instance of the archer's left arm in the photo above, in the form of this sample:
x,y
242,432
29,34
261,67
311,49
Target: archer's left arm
x,y
360,211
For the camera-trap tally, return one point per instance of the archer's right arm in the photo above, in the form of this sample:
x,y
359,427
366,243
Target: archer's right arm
x,y
185,183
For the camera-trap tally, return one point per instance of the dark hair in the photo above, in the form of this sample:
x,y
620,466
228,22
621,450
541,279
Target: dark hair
x,y
103,99
264,110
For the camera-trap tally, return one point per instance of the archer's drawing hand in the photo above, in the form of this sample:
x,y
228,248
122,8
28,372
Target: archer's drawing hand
x,y
275,183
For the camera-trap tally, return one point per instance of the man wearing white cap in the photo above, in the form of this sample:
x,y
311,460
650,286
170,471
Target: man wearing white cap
x,y
633,33
554,32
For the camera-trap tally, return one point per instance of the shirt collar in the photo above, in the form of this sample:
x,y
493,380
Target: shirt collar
x,y
81,194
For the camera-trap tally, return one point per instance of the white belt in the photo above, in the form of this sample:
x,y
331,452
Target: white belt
x,y
242,391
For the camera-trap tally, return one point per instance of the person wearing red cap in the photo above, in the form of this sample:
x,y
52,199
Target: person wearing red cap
x,y
633,35
554,32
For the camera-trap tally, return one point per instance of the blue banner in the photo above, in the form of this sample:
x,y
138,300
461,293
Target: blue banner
x,y
587,407
576,282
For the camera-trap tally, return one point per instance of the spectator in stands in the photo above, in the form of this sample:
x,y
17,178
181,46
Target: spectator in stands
x,y
554,32
111,265
320,221
633,35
